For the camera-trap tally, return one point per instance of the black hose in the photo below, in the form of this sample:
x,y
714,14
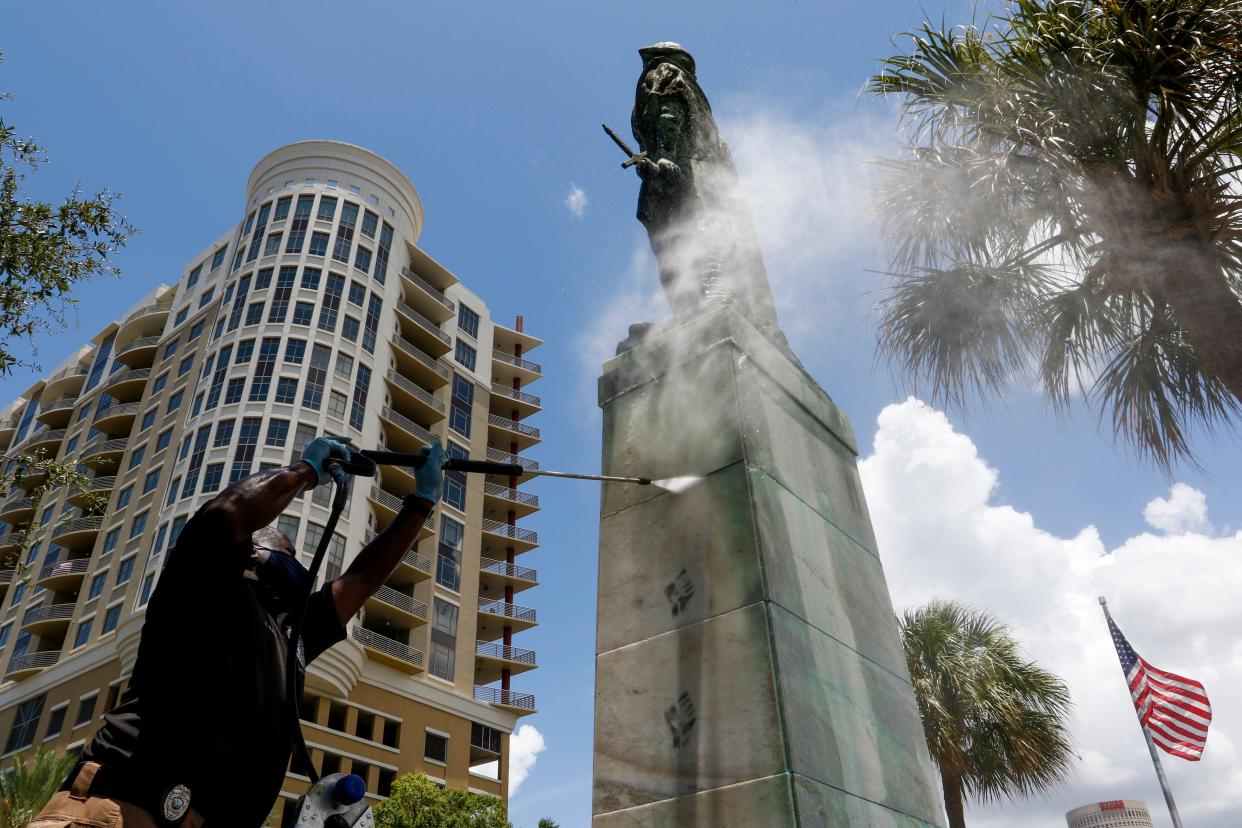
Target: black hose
x,y
293,692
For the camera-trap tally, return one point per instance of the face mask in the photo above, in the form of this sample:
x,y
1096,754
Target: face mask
x,y
282,582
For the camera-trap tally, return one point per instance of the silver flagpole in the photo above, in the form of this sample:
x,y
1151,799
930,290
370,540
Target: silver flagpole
x,y
1151,746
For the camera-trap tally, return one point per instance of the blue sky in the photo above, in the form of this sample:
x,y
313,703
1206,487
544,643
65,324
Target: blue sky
x,y
493,112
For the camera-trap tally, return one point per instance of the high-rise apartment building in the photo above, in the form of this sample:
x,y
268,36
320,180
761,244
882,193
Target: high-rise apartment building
x,y
1116,813
316,314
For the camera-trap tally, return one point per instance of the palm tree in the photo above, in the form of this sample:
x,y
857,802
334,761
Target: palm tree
x,y
548,823
994,723
28,784
1068,205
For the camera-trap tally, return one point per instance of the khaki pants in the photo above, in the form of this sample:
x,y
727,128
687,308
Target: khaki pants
x,y
76,808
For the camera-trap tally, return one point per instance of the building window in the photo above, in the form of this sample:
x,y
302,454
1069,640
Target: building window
x,y
97,585
455,481
243,455
196,461
336,557
314,534
435,748
319,244
92,379
212,476
182,315
460,405
239,301
273,244
381,253
217,379
254,314
357,409
110,541
369,222
467,321
192,279
148,420
310,278
163,440
244,349
277,432
344,365
336,404
465,355
327,209
345,232
263,279
316,374
173,488
224,433
145,595
171,348
186,364
122,500
140,523
302,436
262,382
282,208
259,229
302,313
331,302
287,390
84,632
372,324
357,293
152,480
297,227
349,330
174,402
443,640
196,330
217,258
249,224
111,617
25,723
294,351
125,570
287,525
86,710
136,457
233,391
448,557
280,296
198,405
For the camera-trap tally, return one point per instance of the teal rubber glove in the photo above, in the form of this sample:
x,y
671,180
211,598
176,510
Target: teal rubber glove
x,y
322,449
429,477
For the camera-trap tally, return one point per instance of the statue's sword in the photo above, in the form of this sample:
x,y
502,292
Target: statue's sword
x,y
634,157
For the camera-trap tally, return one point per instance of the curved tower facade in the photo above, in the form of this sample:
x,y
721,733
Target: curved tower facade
x,y
316,314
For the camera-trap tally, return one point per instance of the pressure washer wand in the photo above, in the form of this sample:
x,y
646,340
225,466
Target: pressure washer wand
x,y
373,458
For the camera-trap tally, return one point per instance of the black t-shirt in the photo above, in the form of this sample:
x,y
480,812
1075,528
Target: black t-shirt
x,y
206,705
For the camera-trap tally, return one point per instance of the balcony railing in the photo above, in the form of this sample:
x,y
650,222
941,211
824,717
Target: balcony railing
x,y
138,344
411,558
505,457
504,608
32,661
10,539
65,373
82,524
424,323
422,356
521,396
6,576
388,646
520,573
495,649
512,425
516,532
415,390
96,447
508,698
386,498
149,310
17,503
402,601
517,362
128,375
514,495
48,612
63,568
409,425
431,289
59,405
54,435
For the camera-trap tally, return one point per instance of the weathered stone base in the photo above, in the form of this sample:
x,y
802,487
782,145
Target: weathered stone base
x,y
748,670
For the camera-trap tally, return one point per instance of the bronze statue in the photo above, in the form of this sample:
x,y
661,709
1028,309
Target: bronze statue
x,y
699,227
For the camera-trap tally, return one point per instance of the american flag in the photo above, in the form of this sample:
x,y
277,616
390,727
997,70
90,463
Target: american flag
x,y
1174,709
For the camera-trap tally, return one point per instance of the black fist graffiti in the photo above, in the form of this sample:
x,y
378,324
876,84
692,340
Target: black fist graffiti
x,y
680,718
679,592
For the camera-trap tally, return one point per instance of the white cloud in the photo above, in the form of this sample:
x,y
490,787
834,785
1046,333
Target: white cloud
x,y
1173,595
525,745
1185,510
576,201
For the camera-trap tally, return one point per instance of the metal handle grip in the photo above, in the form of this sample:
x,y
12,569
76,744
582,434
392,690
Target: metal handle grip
x,y
414,461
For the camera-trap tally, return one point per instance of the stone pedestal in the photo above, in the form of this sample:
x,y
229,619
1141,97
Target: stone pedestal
x,y
748,670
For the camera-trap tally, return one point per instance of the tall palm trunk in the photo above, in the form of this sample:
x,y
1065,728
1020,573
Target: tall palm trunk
x,y
952,786
1211,313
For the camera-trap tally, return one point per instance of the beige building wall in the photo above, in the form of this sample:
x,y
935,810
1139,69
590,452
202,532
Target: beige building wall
x,y
203,380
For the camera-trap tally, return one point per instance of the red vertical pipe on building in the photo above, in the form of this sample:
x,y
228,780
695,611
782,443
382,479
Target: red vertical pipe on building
x,y
510,553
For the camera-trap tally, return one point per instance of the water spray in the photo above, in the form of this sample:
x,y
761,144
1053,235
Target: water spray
x,y
363,462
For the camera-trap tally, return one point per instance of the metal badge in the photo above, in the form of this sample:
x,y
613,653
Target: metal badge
x,y
176,803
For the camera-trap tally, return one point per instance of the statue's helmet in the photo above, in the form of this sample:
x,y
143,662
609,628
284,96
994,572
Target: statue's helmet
x,y
668,51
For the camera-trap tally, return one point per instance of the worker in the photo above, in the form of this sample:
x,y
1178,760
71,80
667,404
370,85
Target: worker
x,y
203,735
